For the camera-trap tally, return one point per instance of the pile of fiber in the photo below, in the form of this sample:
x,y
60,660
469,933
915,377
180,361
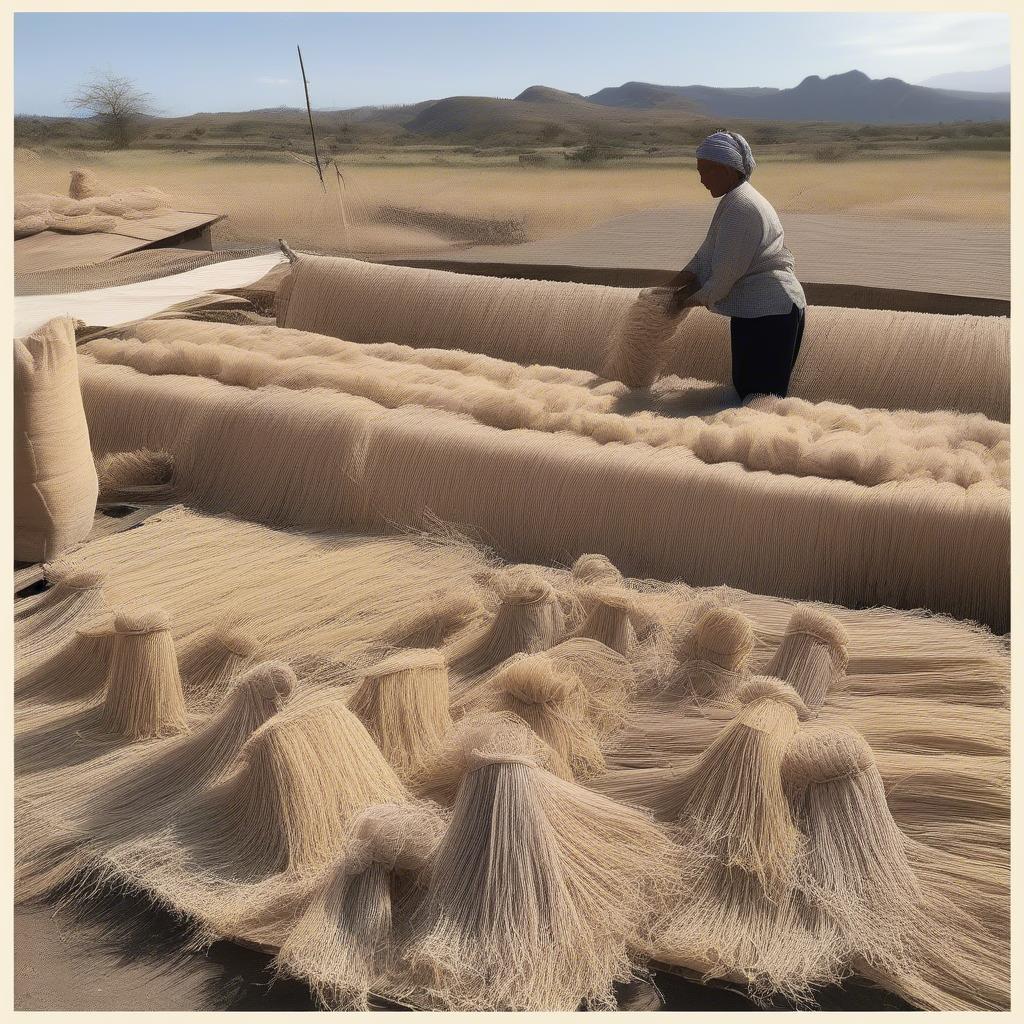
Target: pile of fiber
x,y
790,436
868,358
316,457
456,784
87,208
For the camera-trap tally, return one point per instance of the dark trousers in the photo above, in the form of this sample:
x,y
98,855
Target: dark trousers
x,y
764,351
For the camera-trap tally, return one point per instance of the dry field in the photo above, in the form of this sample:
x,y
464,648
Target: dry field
x,y
267,199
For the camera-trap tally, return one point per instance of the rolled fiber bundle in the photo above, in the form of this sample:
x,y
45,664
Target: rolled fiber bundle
x,y
609,618
30,224
344,461
403,702
79,224
874,359
567,325
55,483
347,944
859,876
581,878
144,696
812,657
916,360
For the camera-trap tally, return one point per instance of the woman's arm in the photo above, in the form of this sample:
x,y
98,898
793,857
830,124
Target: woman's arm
x,y
740,235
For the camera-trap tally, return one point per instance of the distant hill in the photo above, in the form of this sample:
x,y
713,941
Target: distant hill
x,y
992,80
852,97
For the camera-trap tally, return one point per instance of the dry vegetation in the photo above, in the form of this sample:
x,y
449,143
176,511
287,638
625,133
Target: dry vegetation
x,y
268,198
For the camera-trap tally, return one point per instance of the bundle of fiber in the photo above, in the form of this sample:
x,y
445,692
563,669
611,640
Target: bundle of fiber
x,y
144,696
87,208
336,460
552,701
439,620
636,356
117,801
610,611
210,662
55,484
711,659
71,671
858,877
347,944
529,619
579,879
609,680
403,702
595,568
866,447
524,321
85,184
812,656
278,817
46,622
135,476
916,360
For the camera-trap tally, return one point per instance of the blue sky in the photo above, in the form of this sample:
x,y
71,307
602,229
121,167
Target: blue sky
x,y
208,62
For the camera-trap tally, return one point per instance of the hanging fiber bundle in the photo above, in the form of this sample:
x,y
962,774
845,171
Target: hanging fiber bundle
x,y
812,657
403,702
638,354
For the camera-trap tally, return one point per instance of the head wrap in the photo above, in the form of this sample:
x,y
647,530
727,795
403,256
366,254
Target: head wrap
x,y
729,148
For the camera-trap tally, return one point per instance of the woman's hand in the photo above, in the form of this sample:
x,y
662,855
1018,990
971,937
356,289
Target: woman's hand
x,y
680,294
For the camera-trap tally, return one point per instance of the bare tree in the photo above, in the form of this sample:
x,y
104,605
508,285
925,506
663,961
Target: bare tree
x,y
118,104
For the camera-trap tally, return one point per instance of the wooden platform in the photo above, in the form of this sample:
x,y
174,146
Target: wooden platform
x,y
53,250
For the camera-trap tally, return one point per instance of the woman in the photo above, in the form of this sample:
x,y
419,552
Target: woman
x,y
744,271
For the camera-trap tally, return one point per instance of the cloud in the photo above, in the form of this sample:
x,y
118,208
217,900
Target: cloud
x,y
263,80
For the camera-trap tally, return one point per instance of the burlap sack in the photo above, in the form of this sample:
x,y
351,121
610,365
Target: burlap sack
x,y
55,484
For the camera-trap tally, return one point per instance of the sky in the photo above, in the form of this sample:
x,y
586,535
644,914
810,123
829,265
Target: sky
x,y
192,62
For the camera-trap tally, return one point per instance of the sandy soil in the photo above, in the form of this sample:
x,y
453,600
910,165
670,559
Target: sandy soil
x,y
929,256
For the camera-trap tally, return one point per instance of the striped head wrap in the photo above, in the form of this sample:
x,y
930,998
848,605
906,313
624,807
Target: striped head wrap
x,y
729,148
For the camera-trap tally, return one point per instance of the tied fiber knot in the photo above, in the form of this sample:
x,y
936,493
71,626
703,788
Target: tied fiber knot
x,y
821,626
595,568
768,688
399,837
477,759
533,679
408,661
523,585
149,619
825,754
721,636
499,738
272,681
